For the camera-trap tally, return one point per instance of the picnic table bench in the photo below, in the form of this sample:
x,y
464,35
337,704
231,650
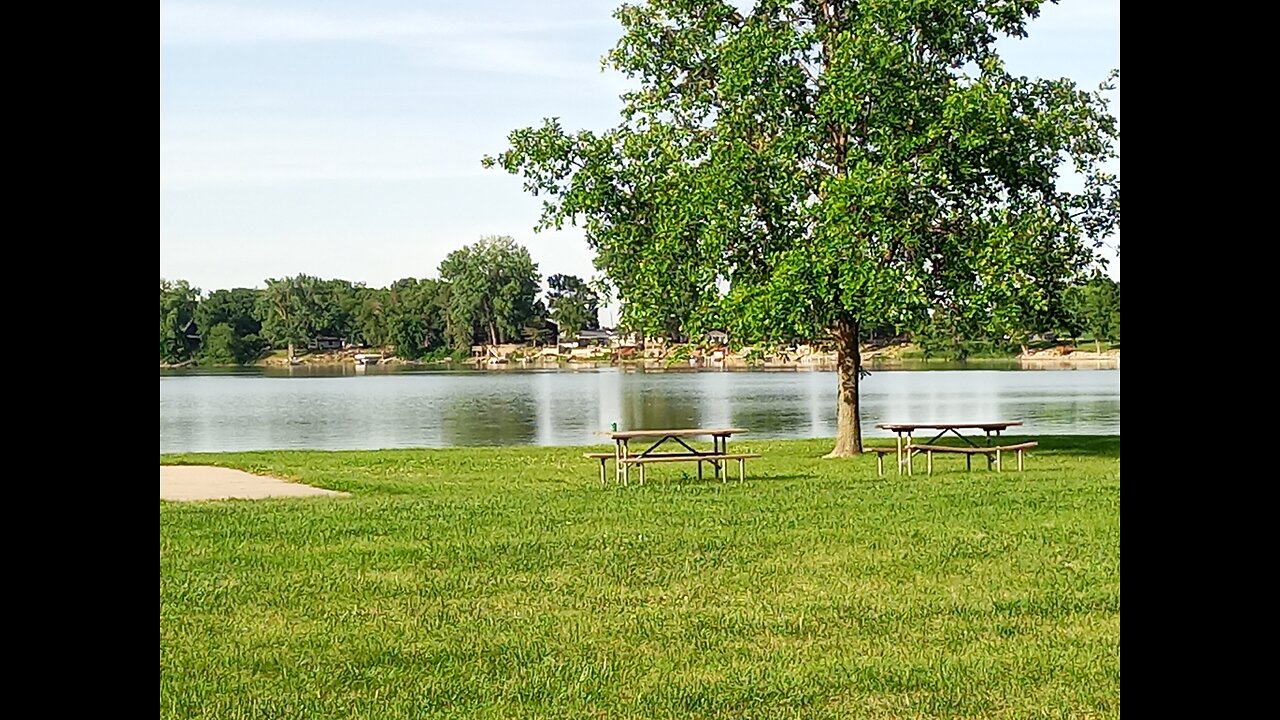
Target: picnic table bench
x,y
968,452
906,448
624,459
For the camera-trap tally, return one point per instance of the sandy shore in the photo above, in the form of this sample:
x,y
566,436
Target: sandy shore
x,y
201,482
1109,359
807,359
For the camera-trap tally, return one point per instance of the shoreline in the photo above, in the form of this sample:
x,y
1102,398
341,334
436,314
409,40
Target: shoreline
x,y
1022,361
211,459
686,358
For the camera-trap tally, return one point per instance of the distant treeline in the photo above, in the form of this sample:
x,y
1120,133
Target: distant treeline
x,y
1086,311
489,292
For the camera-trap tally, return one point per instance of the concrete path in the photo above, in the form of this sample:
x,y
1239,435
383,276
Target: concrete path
x,y
200,482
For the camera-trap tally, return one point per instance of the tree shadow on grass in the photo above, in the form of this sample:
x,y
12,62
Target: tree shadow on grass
x,y
709,480
775,476
1080,445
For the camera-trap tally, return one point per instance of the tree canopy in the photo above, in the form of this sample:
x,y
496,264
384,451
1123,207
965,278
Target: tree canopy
x,y
287,310
1094,308
573,304
230,328
493,291
415,322
178,301
487,292
821,166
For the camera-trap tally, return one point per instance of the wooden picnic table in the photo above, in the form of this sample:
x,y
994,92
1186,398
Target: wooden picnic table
x,y
624,458
905,444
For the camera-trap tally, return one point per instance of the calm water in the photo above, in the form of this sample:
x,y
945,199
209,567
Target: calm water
x,y
256,410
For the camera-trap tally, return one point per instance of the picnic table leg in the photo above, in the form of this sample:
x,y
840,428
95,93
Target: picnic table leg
x,y
879,464
699,471
1019,459
602,481
910,468
997,460
899,447
742,468
929,461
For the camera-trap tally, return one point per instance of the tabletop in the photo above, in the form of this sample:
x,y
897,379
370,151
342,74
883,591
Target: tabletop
x,y
685,432
950,426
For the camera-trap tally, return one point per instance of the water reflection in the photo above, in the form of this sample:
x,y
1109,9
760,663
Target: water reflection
x,y
490,420
643,407
251,409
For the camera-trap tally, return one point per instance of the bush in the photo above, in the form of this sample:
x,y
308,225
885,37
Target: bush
x,y
446,354
221,346
679,354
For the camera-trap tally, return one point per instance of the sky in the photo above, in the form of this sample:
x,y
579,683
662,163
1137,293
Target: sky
x,y
344,139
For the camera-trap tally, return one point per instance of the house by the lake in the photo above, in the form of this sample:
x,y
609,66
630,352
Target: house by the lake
x,y
326,342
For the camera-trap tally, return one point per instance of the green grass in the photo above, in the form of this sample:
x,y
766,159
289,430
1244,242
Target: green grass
x,y
506,583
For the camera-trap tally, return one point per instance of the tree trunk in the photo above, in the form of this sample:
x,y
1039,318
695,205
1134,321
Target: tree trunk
x,y
848,369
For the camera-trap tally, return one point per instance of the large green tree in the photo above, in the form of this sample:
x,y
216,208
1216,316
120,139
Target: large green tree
x,y
1094,308
220,345
296,310
415,317
370,318
493,288
335,306
573,304
236,307
178,303
230,326
288,311
820,166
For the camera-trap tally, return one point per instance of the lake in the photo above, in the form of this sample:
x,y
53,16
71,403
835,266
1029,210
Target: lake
x,y
341,409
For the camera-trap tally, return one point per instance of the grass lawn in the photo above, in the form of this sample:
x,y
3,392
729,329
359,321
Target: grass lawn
x,y
506,583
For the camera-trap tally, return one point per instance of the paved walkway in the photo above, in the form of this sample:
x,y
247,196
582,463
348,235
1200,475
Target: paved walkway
x,y
201,482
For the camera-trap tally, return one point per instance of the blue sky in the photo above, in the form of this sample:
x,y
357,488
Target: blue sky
x,y
344,139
